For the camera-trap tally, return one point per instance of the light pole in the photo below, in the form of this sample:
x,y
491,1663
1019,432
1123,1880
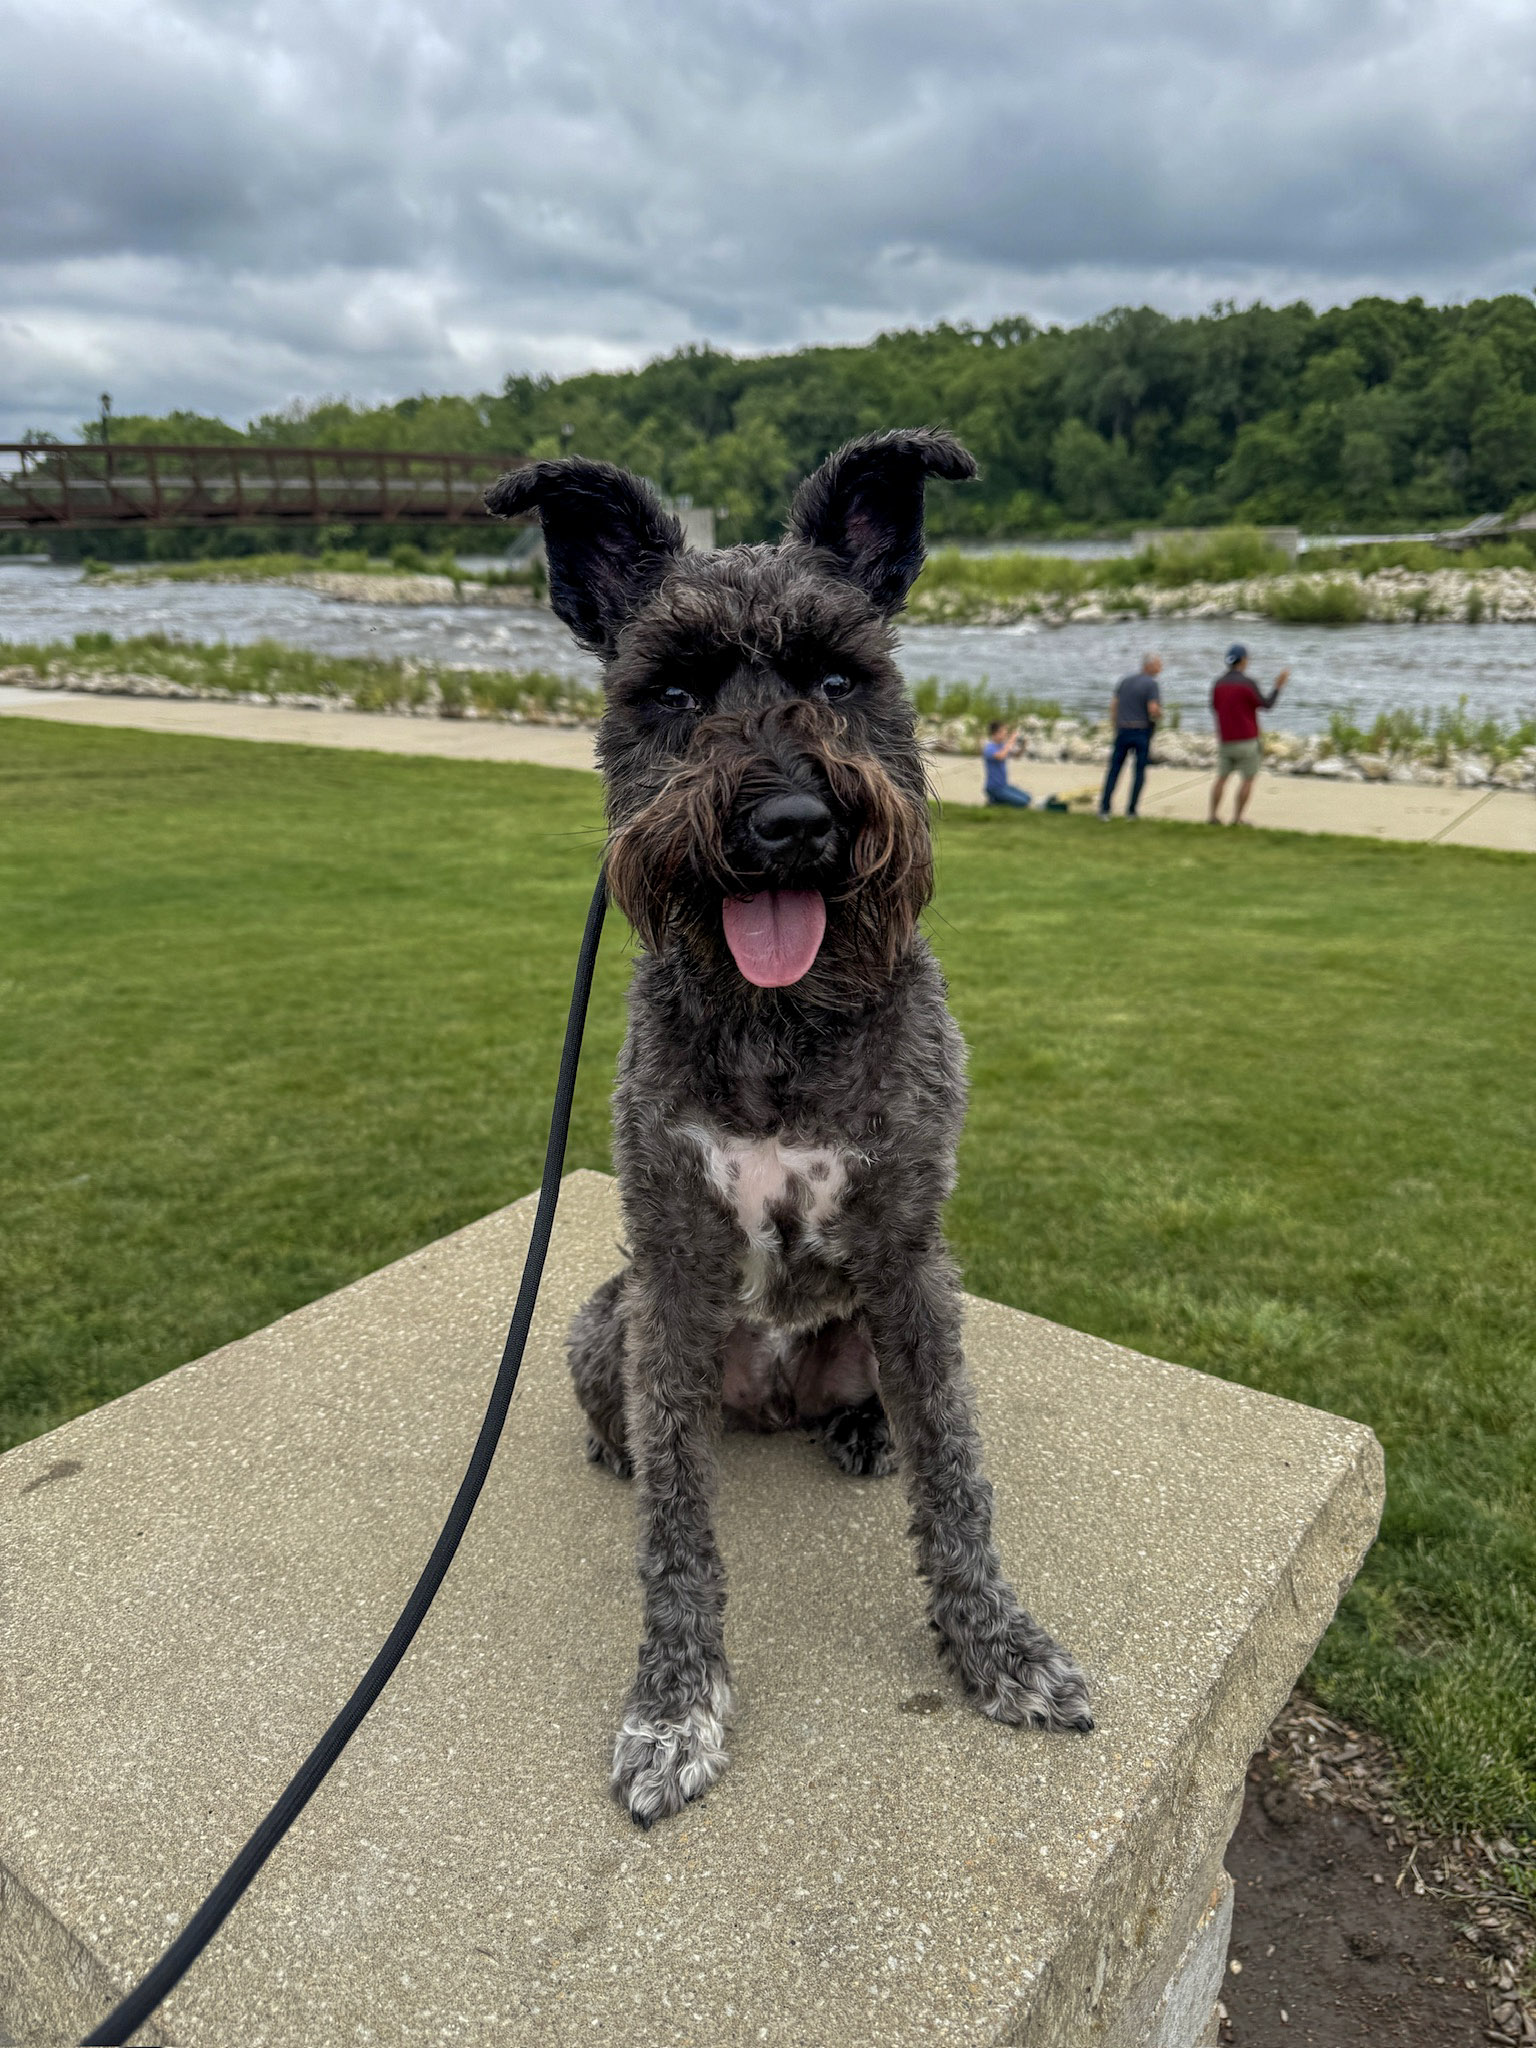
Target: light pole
x,y
106,419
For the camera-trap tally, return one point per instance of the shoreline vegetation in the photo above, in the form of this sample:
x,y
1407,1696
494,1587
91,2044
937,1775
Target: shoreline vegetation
x,y
1231,572
266,672
1234,574
1446,747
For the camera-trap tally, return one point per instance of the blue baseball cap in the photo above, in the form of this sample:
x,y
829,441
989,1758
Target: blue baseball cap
x,y
1235,653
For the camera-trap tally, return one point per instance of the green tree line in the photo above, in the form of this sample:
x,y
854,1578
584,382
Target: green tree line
x,y
1383,413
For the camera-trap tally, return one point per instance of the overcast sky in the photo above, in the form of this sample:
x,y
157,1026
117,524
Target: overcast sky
x,y
225,205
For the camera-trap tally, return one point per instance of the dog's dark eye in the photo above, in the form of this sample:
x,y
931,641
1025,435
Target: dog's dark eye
x,y
674,699
833,688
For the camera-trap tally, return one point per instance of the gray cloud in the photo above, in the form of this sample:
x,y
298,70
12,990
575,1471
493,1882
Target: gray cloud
x,y
229,203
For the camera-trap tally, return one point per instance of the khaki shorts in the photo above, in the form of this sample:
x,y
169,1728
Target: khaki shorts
x,y
1239,757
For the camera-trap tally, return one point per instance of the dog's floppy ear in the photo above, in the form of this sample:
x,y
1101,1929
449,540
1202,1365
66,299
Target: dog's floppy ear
x,y
609,540
864,507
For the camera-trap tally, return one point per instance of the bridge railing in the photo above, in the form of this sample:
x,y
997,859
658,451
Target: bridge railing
x,y
49,485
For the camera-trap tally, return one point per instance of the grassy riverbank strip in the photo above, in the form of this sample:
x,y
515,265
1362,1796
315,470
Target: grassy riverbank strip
x,y
267,672
276,1016
1446,747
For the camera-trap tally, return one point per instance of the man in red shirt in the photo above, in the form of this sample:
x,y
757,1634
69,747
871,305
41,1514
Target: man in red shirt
x,y
1237,701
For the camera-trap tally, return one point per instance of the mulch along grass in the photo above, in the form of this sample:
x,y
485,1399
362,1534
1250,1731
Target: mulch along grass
x,y
1350,1923
1261,1103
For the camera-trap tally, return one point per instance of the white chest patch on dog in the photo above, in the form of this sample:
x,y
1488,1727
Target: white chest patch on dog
x,y
766,1182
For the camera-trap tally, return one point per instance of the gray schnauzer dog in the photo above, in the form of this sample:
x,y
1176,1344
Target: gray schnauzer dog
x,y
792,1085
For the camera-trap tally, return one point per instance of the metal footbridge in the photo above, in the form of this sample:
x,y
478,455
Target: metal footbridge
x,y
50,487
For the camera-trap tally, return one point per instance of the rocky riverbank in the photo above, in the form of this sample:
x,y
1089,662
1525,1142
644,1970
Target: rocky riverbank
x,y
1076,739
341,586
1332,597
344,588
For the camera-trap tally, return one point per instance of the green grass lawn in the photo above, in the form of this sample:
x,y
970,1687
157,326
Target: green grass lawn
x,y
1261,1103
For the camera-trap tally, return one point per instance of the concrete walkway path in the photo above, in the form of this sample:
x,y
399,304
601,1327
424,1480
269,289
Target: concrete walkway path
x,y
1293,803
378,732
1373,810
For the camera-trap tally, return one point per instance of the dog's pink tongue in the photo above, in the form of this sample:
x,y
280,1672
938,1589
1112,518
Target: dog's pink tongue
x,y
774,937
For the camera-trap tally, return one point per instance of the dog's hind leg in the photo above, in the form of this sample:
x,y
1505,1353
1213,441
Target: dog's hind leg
x,y
597,1367
858,1440
1002,1655
679,1310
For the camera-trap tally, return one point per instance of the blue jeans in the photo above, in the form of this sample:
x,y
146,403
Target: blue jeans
x,y
1130,739
1009,795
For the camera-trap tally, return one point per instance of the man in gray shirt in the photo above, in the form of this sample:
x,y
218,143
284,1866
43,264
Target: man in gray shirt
x,y
1137,706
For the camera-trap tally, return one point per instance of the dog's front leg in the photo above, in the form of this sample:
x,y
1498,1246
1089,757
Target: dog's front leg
x,y
1014,1669
671,1745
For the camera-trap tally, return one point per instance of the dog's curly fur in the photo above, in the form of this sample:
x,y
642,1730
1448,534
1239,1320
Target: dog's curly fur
x,y
783,1153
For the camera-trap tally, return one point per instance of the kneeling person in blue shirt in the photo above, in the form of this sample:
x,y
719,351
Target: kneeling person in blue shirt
x,y
1137,707
1001,742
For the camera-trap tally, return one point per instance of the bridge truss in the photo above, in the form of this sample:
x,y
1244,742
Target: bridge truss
x,y
51,487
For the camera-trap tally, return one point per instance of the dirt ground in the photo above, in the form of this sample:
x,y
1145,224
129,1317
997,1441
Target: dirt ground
x,y
1336,1936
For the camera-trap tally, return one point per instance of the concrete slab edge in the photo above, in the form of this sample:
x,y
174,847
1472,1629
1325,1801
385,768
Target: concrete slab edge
x,y
1187,2015
1155,1888
1169,1990
47,1975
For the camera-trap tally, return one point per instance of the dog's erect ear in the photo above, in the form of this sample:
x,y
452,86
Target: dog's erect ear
x,y
864,507
608,537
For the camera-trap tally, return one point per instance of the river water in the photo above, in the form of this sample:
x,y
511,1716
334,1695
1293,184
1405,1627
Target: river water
x,y
1358,670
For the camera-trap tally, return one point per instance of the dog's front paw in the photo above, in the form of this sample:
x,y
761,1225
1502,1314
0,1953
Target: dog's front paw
x,y
1038,1692
662,1760
1016,1673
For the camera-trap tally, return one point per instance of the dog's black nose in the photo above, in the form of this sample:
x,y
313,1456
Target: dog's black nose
x,y
794,824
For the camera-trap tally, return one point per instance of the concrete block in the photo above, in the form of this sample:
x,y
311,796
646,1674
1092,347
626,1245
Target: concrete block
x,y
194,1576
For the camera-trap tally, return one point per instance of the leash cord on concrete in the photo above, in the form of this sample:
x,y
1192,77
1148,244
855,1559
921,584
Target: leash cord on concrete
x,y
301,1788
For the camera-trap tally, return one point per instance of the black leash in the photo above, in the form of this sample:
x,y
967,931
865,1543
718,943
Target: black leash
x,y
301,1788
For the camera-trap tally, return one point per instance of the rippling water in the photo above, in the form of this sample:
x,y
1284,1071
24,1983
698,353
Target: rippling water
x,y
40,604
1355,669
1359,670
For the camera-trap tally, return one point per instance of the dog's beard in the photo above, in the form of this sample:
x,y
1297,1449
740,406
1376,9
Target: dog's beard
x,y
674,871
